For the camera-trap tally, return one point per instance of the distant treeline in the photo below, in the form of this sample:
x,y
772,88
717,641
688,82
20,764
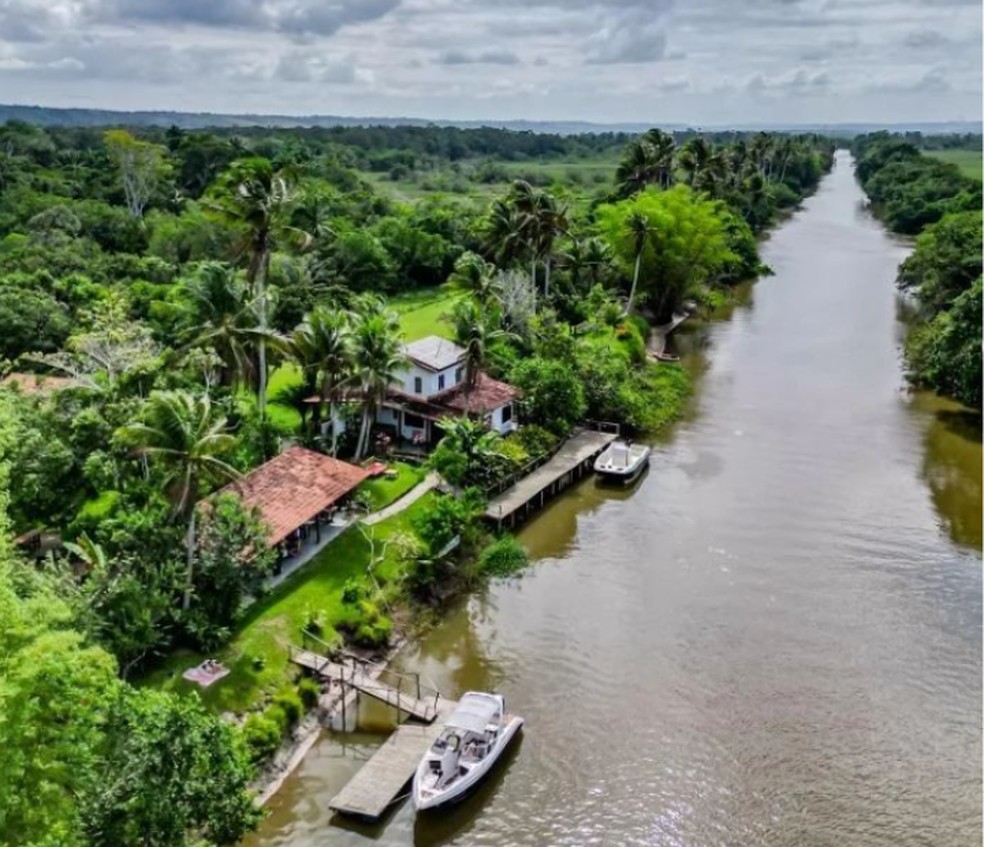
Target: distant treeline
x,y
919,195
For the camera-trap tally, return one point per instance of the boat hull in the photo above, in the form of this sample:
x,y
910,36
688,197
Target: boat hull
x,y
461,788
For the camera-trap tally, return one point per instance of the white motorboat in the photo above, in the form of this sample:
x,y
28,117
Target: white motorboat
x,y
622,461
474,736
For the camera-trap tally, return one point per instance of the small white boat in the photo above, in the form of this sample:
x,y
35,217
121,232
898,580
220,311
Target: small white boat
x,y
474,736
622,461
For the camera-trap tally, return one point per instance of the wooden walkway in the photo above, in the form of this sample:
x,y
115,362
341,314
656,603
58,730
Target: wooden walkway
x,y
570,463
409,703
380,781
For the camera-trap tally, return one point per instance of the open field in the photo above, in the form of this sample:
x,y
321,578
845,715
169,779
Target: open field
x,y
969,161
422,312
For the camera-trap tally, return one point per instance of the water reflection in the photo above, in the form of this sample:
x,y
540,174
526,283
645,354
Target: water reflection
x,y
952,466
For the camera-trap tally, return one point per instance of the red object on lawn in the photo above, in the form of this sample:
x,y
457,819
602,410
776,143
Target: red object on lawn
x,y
376,469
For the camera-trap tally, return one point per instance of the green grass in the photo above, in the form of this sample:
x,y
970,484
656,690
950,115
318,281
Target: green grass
x,y
257,655
383,491
423,313
969,161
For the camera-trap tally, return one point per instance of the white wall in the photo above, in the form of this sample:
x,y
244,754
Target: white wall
x,y
501,426
429,380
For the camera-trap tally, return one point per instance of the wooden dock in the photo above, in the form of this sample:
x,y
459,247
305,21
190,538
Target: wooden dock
x,y
381,780
570,463
408,699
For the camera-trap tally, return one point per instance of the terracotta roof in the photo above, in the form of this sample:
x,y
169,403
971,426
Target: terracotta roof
x,y
36,383
485,396
294,487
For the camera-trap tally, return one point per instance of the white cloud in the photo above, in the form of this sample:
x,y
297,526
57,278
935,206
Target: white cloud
x,y
687,61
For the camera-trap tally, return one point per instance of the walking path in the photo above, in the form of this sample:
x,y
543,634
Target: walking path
x,y
412,496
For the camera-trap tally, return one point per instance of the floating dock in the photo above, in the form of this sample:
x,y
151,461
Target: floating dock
x,y
568,464
381,780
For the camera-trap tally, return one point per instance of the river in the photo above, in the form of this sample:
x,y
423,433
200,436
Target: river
x,y
775,638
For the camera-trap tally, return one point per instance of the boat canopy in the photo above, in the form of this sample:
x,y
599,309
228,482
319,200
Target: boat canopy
x,y
473,713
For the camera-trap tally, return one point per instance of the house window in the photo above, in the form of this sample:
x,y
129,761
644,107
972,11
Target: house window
x,y
506,414
418,385
440,382
412,421
458,374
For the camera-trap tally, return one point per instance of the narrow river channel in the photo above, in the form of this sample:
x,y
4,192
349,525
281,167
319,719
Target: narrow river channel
x,y
774,639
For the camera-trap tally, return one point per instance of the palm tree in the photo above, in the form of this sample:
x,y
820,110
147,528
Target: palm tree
x,y
477,327
637,227
323,345
703,166
187,437
472,440
549,222
646,161
473,275
597,255
219,314
378,359
257,197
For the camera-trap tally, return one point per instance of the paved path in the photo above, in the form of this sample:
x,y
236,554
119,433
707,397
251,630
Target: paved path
x,y
412,496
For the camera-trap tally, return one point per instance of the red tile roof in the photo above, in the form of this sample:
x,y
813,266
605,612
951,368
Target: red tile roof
x,y
36,383
485,396
294,487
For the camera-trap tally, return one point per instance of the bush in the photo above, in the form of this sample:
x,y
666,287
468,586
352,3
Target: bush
x,y
261,737
553,396
309,692
289,702
503,556
277,716
536,440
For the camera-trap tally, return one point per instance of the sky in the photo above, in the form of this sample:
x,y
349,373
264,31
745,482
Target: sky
x,y
699,62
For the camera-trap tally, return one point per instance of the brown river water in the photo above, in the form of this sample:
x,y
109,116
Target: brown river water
x,y
774,638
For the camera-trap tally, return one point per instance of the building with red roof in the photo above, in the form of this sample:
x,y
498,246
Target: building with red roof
x,y
295,489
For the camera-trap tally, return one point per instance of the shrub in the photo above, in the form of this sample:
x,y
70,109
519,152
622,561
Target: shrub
x,y
261,737
276,715
553,396
289,702
503,556
309,692
536,440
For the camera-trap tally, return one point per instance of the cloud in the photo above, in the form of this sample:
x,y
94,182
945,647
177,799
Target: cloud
x,y
636,36
304,66
486,57
923,38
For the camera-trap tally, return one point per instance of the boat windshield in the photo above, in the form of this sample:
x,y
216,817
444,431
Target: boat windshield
x,y
474,713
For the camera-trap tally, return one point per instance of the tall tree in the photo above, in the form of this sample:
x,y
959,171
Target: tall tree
x,y
477,328
323,345
258,197
184,434
219,313
379,358
140,164
637,226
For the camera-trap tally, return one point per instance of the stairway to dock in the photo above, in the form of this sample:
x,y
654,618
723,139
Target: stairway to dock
x,y
407,696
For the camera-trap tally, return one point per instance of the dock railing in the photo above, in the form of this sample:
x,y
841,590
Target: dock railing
x,y
377,679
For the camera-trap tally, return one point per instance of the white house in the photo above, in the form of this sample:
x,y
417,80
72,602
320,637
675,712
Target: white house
x,y
433,387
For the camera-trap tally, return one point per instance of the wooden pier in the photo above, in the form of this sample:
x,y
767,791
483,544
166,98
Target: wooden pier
x,y
381,780
569,463
407,695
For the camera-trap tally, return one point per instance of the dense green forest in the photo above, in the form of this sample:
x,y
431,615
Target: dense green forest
x,y
183,293
919,195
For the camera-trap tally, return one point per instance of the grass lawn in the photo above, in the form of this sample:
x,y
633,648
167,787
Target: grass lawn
x,y
969,161
257,653
422,313
383,491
